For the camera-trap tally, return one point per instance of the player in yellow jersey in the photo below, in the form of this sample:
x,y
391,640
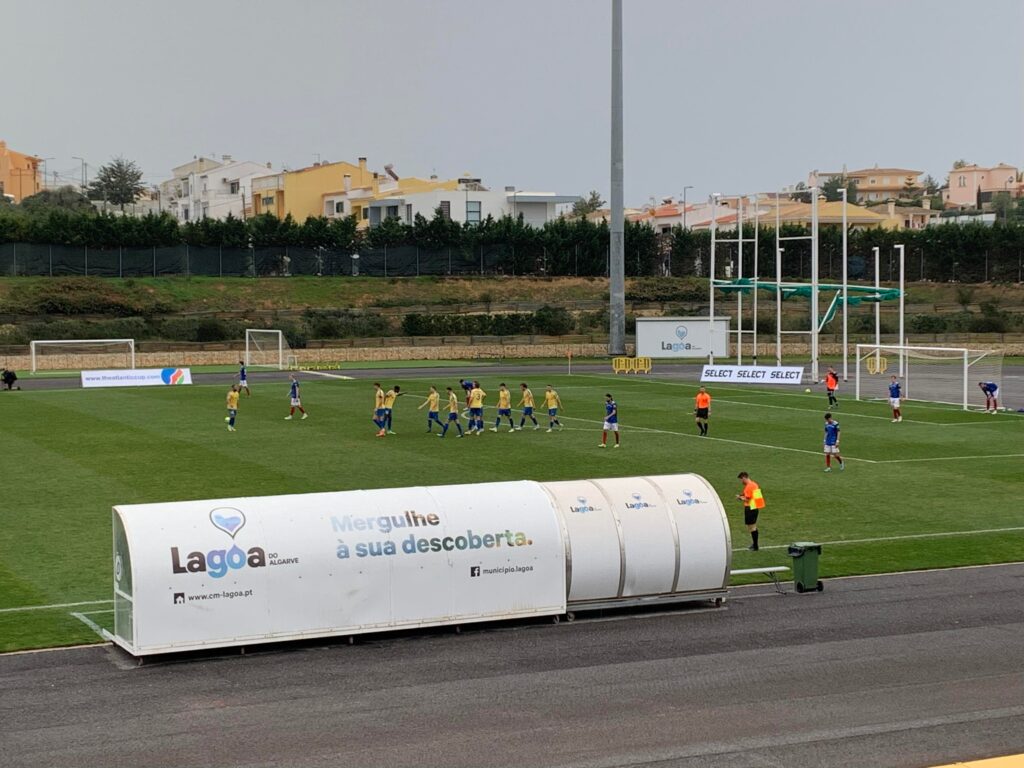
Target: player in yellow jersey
x,y
389,403
431,404
476,409
378,409
453,413
232,403
526,401
553,403
504,408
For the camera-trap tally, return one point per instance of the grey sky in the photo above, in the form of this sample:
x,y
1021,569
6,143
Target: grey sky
x,y
724,95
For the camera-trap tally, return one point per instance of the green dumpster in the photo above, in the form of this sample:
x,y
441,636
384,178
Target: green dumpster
x,y
805,556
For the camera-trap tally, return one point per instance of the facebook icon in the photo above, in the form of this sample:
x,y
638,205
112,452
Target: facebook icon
x,y
474,570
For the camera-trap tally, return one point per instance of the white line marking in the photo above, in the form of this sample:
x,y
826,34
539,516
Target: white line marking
x,y
840,414
953,458
328,375
937,535
97,613
54,606
89,623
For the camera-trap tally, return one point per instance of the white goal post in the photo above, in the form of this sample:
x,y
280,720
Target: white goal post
x,y
69,353
933,374
266,348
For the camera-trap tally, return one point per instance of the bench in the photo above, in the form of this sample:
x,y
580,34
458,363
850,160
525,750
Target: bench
x,y
772,572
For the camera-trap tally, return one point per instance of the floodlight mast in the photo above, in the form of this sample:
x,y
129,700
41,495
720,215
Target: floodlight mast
x,y
616,252
846,304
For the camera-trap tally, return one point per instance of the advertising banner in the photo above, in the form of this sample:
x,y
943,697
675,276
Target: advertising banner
x,y
207,574
752,374
681,337
137,377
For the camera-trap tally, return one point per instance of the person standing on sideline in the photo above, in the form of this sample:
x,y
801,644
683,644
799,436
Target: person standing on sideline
x,y
243,381
611,421
389,405
832,443
476,409
702,410
504,408
433,398
296,399
894,399
753,503
232,403
553,403
991,390
831,385
453,413
527,402
378,409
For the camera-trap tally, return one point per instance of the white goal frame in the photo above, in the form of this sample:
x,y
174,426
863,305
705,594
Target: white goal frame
x,y
33,346
283,350
968,358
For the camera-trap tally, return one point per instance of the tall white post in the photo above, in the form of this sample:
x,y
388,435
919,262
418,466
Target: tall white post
x,y
778,287
814,283
617,255
966,372
846,311
739,274
711,286
878,304
901,249
757,227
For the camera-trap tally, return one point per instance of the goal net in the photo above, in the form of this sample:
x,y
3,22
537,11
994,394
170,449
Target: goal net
x,y
81,354
267,349
934,374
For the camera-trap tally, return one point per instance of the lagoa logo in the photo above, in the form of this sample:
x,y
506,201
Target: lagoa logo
x,y
582,507
678,346
217,562
637,503
172,375
688,499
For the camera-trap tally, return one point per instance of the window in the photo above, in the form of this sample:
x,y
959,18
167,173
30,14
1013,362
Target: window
x,y
234,188
366,213
408,213
885,180
871,180
267,201
961,181
339,207
184,213
391,212
472,211
206,210
446,208
184,187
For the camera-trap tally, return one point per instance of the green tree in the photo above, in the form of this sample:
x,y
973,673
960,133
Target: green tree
x,y
591,203
800,193
958,164
118,182
832,189
66,198
930,184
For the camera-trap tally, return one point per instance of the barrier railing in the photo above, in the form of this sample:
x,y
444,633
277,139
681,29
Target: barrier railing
x,y
631,365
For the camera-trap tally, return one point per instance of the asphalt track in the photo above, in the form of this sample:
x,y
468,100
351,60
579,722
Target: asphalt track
x,y
914,669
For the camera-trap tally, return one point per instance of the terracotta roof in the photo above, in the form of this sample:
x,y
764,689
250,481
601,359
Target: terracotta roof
x,y
892,171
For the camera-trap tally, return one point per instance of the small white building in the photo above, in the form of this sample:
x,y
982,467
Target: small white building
x,y
208,189
471,203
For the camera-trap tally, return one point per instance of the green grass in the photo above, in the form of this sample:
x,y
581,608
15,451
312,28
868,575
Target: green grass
x,y
69,455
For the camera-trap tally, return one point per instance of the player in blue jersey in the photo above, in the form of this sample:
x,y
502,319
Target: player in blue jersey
x,y
991,390
243,381
611,421
296,399
467,386
895,392
832,443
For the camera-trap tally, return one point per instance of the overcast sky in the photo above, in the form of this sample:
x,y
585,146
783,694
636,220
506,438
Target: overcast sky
x,y
724,95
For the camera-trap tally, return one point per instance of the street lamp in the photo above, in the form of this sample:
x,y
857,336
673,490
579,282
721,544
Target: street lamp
x,y
688,186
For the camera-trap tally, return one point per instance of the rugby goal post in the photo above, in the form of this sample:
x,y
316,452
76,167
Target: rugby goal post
x,y
267,348
71,354
932,374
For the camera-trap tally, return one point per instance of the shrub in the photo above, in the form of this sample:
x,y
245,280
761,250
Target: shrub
x,y
927,324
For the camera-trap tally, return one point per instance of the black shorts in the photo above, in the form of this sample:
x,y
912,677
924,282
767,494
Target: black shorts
x,y
702,413
750,516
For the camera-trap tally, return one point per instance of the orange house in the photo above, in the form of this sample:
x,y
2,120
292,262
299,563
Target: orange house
x,y
19,174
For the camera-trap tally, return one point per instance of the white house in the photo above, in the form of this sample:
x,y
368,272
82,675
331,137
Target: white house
x,y
207,189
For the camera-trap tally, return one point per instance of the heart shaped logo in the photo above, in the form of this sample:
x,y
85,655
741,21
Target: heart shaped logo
x,y
228,519
681,332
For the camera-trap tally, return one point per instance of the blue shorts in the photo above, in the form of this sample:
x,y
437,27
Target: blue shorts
x,y
504,411
528,410
453,416
476,411
379,413
552,411
432,415
232,412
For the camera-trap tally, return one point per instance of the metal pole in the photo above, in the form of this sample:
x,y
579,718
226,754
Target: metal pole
x,y
814,282
778,287
757,229
878,305
901,249
616,266
711,287
846,311
739,274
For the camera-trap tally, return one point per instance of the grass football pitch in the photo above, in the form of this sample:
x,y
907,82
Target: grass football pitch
x,y
942,488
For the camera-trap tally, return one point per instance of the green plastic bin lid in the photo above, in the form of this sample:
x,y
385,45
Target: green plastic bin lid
x,y
805,546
